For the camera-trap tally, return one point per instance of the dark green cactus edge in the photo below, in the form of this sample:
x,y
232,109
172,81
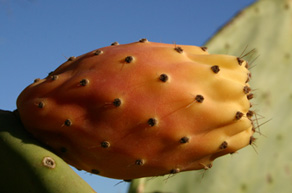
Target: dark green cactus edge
x,y
265,26
27,167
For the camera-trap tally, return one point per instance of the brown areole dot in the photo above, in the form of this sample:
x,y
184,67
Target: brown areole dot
x,y
178,49
54,77
215,69
240,61
68,122
117,102
249,96
174,171
97,52
71,58
249,114
50,73
199,98
248,77
238,115
94,171
143,40
224,145
114,44
246,65
139,162
253,129
36,80
204,48
151,122
41,105
210,165
206,167
251,140
84,82
246,89
184,140
105,144
163,77
129,59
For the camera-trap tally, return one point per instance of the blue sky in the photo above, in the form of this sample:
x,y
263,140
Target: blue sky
x,y
36,37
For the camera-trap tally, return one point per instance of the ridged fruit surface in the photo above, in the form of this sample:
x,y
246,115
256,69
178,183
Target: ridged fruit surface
x,y
142,109
265,167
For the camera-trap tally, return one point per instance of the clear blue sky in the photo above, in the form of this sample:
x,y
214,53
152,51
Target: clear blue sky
x,y
37,35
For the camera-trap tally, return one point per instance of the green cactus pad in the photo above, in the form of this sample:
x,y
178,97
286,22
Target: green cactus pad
x,y
27,167
266,27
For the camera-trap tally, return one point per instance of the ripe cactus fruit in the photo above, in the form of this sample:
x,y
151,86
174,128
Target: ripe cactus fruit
x,y
141,109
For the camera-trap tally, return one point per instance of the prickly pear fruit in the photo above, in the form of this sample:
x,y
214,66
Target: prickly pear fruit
x,y
142,109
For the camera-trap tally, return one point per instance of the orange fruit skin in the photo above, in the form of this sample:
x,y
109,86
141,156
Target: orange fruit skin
x,y
141,109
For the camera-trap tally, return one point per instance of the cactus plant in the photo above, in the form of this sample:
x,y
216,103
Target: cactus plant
x,y
27,167
142,109
265,27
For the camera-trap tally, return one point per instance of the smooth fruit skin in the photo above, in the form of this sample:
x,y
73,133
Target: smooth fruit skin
x,y
141,109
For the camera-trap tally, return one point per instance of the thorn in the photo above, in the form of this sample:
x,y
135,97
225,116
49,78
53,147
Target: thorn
x,y
117,102
178,49
163,77
246,89
246,65
249,96
240,61
248,77
71,58
41,105
98,52
68,122
252,139
115,44
224,145
54,77
184,140
84,82
215,69
139,162
252,143
36,80
242,53
105,144
143,40
249,114
174,171
238,115
129,59
151,122
199,98
204,48
206,167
